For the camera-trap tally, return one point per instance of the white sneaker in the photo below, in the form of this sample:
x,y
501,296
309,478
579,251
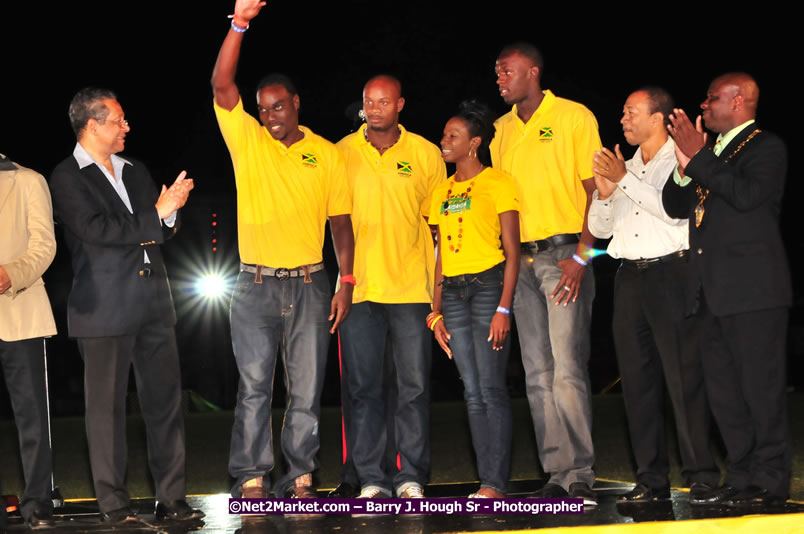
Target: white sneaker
x,y
373,492
413,491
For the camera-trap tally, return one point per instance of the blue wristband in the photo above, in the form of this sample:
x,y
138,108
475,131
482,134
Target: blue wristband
x,y
506,311
579,260
237,28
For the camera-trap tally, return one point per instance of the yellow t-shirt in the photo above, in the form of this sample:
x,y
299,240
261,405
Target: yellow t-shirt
x,y
548,157
394,260
467,214
284,195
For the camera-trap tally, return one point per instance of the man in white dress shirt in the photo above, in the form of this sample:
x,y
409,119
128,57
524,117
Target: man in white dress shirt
x,y
652,338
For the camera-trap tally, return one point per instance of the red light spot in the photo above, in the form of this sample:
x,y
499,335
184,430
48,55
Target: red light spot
x,y
214,223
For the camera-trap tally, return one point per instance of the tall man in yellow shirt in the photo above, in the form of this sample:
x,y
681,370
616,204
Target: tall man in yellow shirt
x,y
546,143
392,173
289,180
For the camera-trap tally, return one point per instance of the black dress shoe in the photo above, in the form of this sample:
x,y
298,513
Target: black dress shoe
x,y
581,490
714,497
344,491
642,493
699,489
754,496
176,511
39,520
120,515
550,491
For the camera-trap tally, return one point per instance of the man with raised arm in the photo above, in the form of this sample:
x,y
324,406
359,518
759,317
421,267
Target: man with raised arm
x,y
289,181
392,173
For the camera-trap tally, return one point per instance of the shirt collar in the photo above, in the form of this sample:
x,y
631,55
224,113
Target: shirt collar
x,y
295,146
361,135
725,139
6,164
83,158
545,105
667,151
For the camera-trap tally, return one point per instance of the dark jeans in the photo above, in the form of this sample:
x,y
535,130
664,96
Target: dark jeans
x,y
469,303
370,330
348,471
288,316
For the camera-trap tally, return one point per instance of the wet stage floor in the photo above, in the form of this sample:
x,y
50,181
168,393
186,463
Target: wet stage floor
x,y
81,516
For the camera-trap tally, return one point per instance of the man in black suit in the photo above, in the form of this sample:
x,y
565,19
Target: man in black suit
x,y
120,309
732,193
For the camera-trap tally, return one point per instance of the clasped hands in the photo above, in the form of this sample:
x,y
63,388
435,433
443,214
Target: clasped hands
x,y
609,169
172,198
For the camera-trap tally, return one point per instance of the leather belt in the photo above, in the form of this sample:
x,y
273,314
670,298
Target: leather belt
x,y
540,245
281,273
647,263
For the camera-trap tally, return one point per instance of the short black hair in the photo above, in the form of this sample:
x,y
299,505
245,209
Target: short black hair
x,y
388,78
88,104
524,49
277,78
659,100
480,123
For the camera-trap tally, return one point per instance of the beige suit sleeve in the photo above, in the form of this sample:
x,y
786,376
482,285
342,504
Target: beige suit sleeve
x,y
29,267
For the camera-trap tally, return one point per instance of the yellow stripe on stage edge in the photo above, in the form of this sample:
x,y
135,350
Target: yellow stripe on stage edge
x,y
753,524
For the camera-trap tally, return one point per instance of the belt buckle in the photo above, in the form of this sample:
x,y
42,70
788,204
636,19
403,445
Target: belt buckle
x,y
282,273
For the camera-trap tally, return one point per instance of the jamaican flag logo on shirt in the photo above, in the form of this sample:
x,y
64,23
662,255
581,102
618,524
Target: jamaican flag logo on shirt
x,y
546,133
403,168
309,160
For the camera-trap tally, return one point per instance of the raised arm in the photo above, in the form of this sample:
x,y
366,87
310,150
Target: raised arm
x,y
223,75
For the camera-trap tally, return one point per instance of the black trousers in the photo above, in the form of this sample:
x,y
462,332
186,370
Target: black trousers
x,y
153,354
745,367
24,371
656,345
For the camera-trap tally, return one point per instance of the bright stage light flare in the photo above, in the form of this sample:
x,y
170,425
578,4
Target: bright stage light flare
x,y
211,286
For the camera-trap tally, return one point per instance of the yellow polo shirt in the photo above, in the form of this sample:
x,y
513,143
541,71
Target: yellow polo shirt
x,y
394,260
467,215
548,158
284,195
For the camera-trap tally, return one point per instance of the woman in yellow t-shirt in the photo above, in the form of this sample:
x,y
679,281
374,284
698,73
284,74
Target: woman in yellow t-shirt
x,y
477,214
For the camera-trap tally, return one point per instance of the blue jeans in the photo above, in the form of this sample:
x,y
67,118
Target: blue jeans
x,y
469,303
291,317
370,330
555,354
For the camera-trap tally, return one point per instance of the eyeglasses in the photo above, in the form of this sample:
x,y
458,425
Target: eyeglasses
x,y
121,123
